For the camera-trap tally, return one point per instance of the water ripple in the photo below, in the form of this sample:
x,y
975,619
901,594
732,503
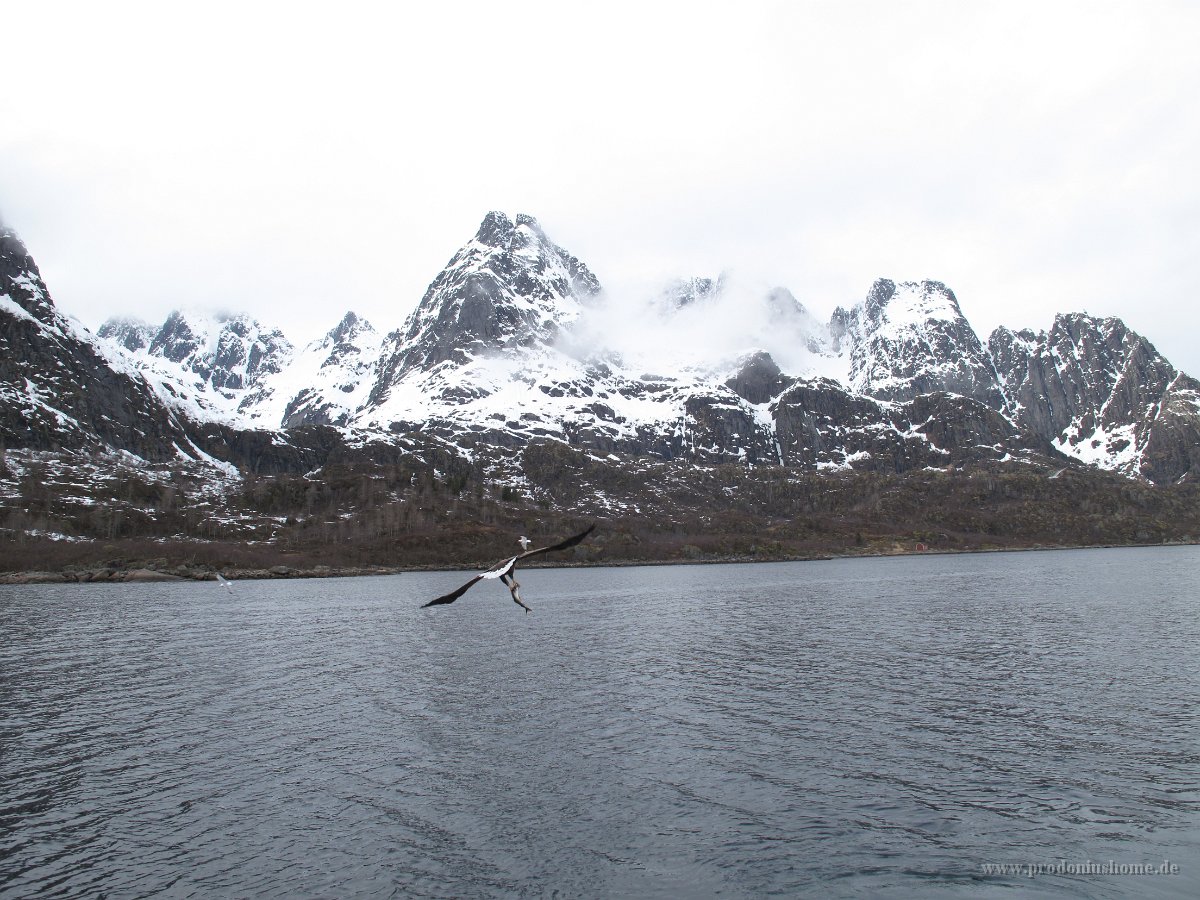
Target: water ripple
x,y
851,728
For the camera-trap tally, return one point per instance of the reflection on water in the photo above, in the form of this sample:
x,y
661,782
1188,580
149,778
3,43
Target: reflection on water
x,y
879,727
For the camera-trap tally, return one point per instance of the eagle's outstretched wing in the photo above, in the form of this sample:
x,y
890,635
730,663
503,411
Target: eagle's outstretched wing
x,y
561,545
453,595
505,566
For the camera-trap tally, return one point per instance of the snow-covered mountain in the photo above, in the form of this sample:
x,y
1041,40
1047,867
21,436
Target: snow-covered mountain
x,y
325,383
1101,394
207,367
58,390
508,288
911,339
132,334
515,342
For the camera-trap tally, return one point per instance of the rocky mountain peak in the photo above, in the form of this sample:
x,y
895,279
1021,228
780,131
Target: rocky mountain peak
x,y
498,230
882,291
910,302
179,337
839,324
348,329
507,288
207,360
758,379
58,388
20,279
132,334
495,230
912,338
1101,393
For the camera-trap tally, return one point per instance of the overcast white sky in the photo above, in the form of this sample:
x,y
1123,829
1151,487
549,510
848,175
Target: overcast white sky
x,y
294,161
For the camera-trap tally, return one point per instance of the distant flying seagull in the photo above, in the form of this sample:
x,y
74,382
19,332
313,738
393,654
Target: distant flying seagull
x,y
225,583
505,568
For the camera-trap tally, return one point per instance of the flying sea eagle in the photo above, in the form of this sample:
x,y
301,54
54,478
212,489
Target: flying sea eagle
x,y
506,567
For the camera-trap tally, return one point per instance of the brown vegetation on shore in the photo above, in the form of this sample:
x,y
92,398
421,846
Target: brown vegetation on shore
x,y
368,518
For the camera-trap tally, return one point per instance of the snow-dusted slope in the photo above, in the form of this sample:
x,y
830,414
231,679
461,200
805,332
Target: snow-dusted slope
x,y
910,339
205,366
324,383
132,334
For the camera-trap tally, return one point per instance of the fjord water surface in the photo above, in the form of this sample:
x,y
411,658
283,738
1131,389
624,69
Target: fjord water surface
x,y
873,727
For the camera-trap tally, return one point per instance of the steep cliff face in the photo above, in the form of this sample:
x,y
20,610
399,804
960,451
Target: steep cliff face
x,y
57,391
911,339
1100,393
509,287
1171,448
21,283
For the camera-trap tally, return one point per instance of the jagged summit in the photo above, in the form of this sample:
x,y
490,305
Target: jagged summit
x,y
325,383
347,329
228,352
132,334
508,287
912,338
20,280
207,366
1101,393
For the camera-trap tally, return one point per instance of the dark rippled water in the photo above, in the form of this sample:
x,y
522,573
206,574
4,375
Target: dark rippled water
x,y
881,727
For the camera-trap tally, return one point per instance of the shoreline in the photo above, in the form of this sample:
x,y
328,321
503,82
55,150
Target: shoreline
x,y
140,574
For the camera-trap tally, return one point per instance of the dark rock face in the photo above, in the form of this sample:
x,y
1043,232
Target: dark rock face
x,y
1067,376
57,390
245,354
508,288
1101,393
1171,451
1010,352
965,430
721,429
177,340
21,280
759,380
820,425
